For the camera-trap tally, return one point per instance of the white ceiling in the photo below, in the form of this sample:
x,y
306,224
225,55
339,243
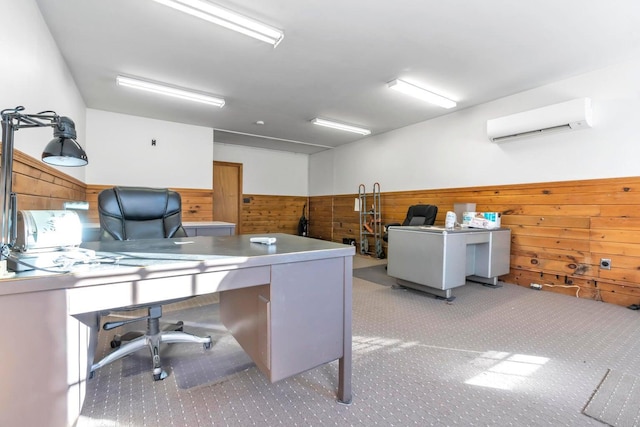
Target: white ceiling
x,y
335,60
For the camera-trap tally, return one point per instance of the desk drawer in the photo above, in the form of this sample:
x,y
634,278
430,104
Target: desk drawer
x,y
478,237
194,230
144,291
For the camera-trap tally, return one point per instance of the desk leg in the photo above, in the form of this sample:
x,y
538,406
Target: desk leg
x,y
486,281
344,381
344,363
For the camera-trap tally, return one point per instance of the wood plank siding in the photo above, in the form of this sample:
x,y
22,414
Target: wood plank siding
x,y
40,186
560,230
271,214
197,204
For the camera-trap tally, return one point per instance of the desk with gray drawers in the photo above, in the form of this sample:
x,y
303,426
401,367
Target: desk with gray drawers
x,y
436,260
274,299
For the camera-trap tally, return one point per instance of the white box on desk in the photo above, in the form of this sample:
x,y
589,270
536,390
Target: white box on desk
x,y
488,220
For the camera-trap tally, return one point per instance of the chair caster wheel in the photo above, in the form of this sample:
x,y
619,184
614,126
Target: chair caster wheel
x,y
116,341
91,374
162,375
207,345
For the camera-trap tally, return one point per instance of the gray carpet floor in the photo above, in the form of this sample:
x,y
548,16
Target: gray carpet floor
x,y
615,401
508,356
375,274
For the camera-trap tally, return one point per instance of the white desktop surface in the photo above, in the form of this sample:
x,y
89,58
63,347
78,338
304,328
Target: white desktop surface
x,y
51,320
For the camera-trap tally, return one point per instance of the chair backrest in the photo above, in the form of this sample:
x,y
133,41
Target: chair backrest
x,y
421,215
130,213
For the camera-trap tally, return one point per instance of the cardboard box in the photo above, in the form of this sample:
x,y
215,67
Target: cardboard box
x,y
461,208
488,220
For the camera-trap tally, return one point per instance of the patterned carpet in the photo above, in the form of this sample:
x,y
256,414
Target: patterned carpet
x,y
493,357
615,401
375,274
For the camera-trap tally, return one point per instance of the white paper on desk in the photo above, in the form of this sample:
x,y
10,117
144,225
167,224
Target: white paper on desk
x,y
263,240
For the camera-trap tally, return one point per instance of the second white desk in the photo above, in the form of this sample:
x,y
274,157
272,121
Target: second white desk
x,y
436,260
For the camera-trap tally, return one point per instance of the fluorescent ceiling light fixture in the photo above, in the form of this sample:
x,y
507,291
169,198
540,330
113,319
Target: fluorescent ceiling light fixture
x,y
169,91
340,126
420,93
227,18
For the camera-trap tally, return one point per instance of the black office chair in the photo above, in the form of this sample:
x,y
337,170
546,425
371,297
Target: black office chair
x,y
131,213
416,215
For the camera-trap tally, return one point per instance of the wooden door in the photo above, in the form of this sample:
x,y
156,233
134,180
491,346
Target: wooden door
x,y
227,192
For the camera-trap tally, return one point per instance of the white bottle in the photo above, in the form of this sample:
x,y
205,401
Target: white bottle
x,y
450,220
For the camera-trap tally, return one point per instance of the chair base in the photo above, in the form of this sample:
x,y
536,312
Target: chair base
x,y
152,341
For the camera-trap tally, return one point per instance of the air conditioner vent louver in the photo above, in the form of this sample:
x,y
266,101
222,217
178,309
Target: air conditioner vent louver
x,y
570,115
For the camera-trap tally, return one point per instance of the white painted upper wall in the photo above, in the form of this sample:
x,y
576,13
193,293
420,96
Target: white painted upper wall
x,y
35,76
267,171
122,152
182,157
454,151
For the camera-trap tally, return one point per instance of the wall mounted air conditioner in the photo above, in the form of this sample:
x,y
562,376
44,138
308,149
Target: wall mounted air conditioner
x,y
570,115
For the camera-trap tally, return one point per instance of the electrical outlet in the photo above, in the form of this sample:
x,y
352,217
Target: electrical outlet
x,y
605,263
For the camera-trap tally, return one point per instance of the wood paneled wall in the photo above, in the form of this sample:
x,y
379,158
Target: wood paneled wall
x,y
321,219
40,186
196,203
271,214
560,230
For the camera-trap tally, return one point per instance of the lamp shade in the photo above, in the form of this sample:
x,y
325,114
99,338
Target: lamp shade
x,y
64,152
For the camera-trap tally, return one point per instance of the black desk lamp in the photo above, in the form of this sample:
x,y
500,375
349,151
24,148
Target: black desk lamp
x,y
62,150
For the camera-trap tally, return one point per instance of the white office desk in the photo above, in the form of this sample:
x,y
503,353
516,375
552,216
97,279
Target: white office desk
x,y
274,300
433,259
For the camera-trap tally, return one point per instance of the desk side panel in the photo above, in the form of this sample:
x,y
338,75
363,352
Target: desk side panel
x,y
422,257
492,258
307,315
246,314
43,359
294,324
416,257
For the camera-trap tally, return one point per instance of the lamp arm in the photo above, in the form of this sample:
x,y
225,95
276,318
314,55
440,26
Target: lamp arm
x,y
12,120
6,174
42,119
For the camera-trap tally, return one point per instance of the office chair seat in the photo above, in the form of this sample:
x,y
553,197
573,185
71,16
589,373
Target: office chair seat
x,y
129,213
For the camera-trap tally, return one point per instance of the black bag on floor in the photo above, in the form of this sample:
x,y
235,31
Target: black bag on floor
x,y
303,223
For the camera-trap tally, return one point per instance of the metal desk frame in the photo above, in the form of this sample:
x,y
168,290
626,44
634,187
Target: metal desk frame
x,y
436,260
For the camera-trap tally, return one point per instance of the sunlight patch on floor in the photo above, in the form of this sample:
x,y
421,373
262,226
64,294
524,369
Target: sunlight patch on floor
x,y
505,370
